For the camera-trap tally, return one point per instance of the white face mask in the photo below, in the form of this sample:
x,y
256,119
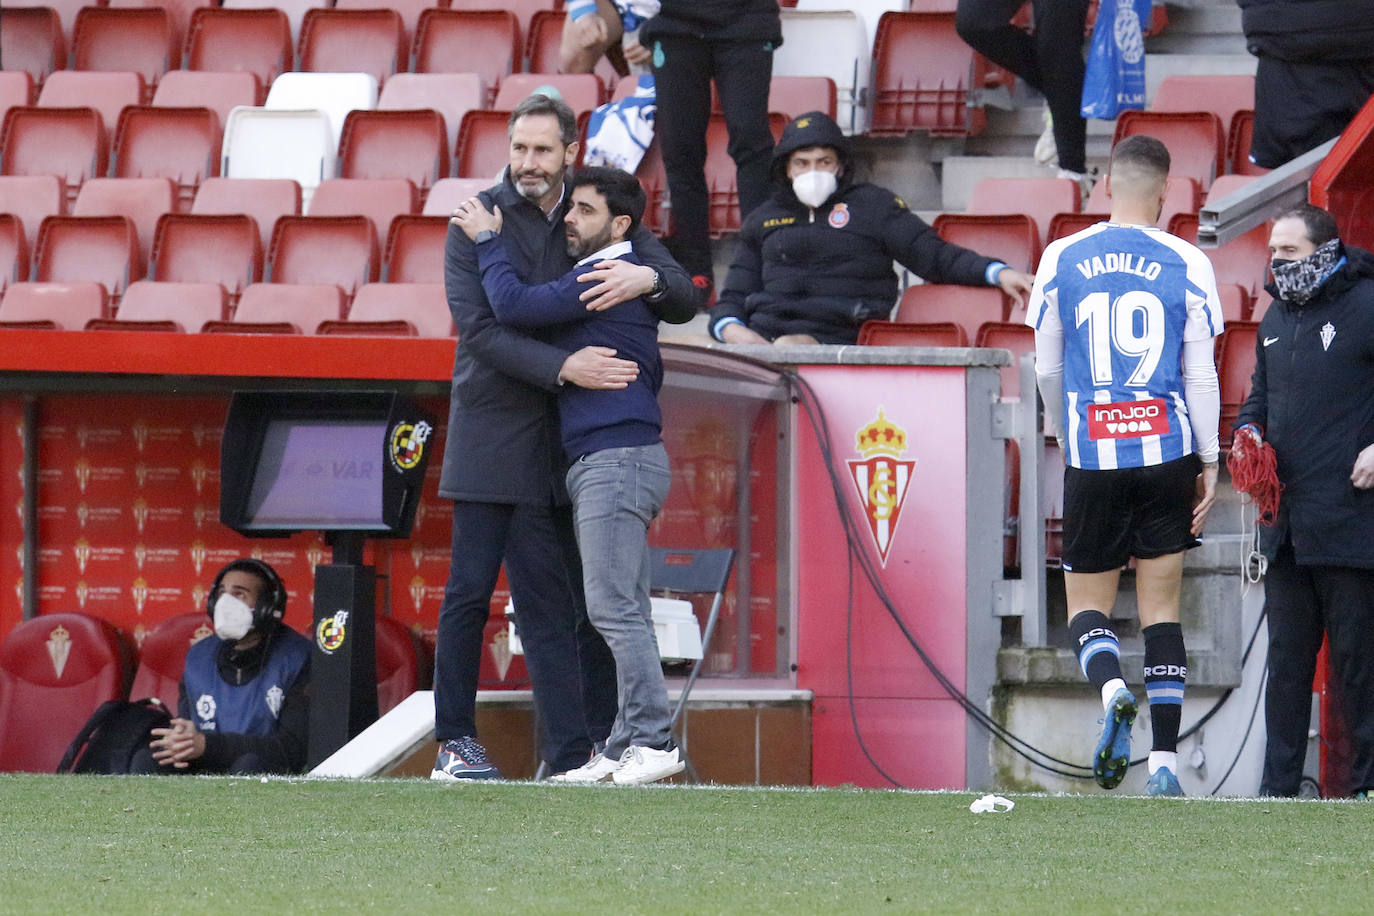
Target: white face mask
x,y
814,188
233,618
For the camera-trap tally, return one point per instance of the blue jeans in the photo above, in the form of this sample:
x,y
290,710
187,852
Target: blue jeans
x,y
616,493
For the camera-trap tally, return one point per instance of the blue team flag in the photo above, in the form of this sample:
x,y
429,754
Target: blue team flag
x,y
1115,78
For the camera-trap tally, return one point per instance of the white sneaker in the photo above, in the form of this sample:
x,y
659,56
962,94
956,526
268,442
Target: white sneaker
x,y
595,770
1085,180
639,765
1046,152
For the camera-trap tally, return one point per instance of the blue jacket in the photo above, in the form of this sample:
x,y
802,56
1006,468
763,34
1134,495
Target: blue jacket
x,y
589,420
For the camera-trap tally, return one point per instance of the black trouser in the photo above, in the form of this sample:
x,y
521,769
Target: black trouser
x,y
572,671
1299,105
683,70
1050,60
1303,602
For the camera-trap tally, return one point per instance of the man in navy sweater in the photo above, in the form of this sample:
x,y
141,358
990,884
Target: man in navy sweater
x,y
619,474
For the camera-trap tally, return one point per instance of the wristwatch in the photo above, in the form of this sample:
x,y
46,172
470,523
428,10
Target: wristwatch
x,y
659,286
486,235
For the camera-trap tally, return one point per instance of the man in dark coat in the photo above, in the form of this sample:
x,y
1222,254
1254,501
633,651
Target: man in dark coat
x,y
1316,71
815,262
503,466
1312,399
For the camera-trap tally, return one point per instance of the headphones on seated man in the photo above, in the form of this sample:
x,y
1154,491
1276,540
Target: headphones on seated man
x,y
271,604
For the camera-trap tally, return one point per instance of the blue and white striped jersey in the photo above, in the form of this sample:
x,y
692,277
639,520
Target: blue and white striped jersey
x,y
1125,298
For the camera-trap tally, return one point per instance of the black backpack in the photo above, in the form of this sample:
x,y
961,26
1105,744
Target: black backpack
x,y
116,731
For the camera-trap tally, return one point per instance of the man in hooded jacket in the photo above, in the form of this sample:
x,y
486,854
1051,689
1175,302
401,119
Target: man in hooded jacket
x,y
1312,399
815,261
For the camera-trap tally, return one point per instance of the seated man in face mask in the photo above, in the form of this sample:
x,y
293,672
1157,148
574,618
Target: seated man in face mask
x,y
815,262
242,707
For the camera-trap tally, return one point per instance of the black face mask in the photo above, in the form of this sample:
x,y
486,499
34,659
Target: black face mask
x,y
1298,281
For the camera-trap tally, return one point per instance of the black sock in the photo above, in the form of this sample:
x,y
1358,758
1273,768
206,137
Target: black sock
x,y
1166,669
1099,654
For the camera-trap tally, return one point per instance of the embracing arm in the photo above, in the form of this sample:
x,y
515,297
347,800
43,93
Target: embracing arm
x,y
678,304
520,306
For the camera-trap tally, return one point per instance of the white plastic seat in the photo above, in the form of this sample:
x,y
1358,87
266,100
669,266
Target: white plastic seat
x,y
335,94
869,11
833,43
267,143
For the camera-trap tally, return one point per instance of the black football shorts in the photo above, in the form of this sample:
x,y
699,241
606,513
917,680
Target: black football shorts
x,y
1111,516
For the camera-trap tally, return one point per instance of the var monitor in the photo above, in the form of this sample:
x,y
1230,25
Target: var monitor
x,y
322,460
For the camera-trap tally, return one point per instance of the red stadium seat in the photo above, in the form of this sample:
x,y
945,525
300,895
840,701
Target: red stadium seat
x,y
341,250
1235,302
1181,195
1062,224
1008,237
1259,306
137,39
396,310
99,249
14,251
545,38
53,306
970,307
415,249
66,11
483,145
68,143
1007,335
582,91
31,41
1196,140
282,308
379,199
152,306
224,249
1222,94
653,177
16,90
106,92
54,671
1038,198
408,10
30,198
720,174
254,40
451,94
796,95
922,76
1235,367
1243,261
369,41
180,144
448,193
912,334
524,10
178,17
395,144
485,42
217,91
398,663
264,199
162,657
1238,140
142,200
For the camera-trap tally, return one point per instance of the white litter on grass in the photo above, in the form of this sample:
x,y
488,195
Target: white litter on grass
x,y
991,803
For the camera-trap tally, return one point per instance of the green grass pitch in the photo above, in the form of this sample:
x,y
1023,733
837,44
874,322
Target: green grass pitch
x,y
81,844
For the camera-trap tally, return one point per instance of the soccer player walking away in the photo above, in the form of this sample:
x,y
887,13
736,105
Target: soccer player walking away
x,y
1124,316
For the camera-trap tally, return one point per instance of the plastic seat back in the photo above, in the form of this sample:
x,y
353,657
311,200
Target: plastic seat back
x,y
262,143
264,199
224,249
371,41
523,10
396,310
179,307
415,249
1196,140
1062,224
142,200
450,94
485,42
1238,139
582,91
30,198
1038,198
180,144
409,11
483,145
54,671
220,92
379,199
721,181
792,96
335,94
543,41
254,40
68,143
1221,94
137,39
398,663
1008,335
923,73
106,92
448,193
98,249
162,657
16,90
282,308
1008,237
1235,369
53,306
341,250
834,44
14,251
912,334
970,307
31,40
395,144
